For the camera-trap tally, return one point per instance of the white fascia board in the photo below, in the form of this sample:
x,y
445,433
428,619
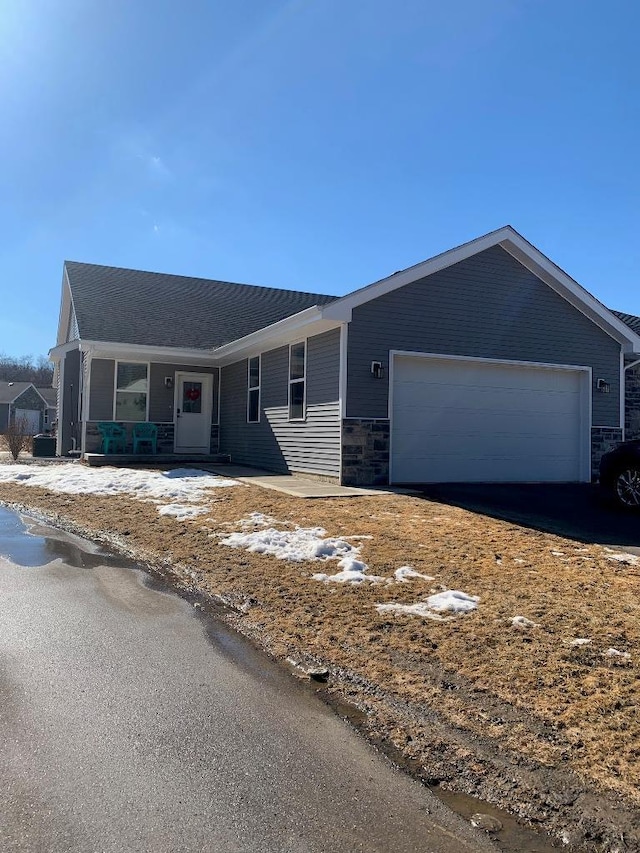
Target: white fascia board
x,y
141,352
524,252
569,289
304,324
57,353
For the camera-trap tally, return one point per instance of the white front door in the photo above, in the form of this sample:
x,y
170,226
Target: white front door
x,y
193,404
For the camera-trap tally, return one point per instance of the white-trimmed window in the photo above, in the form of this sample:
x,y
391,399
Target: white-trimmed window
x,y
297,380
131,391
253,389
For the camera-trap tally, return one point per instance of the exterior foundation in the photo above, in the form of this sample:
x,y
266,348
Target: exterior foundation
x,y
365,451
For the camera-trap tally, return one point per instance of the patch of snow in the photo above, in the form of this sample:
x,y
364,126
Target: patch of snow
x,y
178,485
616,653
454,601
523,622
580,641
257,519
449,601
621,557
518,560
352,571
181,511
303,543
558,553
406,573
419,609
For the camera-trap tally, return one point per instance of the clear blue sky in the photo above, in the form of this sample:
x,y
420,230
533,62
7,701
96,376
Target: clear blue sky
x,y
311,144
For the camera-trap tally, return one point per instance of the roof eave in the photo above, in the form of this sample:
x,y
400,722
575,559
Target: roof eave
x,y
524,252
304,324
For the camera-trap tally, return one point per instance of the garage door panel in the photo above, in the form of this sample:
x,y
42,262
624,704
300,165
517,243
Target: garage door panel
x,y
499,469
426,396
456,421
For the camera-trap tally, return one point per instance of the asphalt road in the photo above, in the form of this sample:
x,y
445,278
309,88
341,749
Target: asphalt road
x,y
130,723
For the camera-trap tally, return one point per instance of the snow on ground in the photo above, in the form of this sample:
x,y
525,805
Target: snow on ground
x,y
303,543
580,641
621,557
449,601
523,622
406,573
178,486
352,571
616,653
311,543
420,609
181,512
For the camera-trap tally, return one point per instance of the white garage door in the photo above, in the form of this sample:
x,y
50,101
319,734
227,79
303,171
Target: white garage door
x,y
455,420
30,418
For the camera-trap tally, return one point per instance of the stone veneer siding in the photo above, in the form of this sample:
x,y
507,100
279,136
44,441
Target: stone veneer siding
x,y
94,440
632,406
603,439
365,451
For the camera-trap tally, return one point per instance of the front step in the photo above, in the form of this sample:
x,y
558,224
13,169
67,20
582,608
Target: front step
x,y
128,459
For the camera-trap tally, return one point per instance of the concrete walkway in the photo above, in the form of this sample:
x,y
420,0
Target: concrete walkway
x,y
288,484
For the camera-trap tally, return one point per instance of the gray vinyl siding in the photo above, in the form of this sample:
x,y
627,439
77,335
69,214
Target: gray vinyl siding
x,y
276,443
68,426
488,306
101,389
161,397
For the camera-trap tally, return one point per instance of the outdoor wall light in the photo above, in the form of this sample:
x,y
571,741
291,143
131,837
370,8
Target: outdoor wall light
x,y
168,381
377,369
602,386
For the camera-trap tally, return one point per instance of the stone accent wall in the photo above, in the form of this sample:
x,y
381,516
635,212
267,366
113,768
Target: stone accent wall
x,y
603,439
94,440
214,444
365,451
632,406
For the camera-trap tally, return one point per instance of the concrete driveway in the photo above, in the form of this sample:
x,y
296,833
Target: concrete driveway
x,y
578,511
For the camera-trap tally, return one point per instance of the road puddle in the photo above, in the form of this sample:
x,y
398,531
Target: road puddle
x,y
26,542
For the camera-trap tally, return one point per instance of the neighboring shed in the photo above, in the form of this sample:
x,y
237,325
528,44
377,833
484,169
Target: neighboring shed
x,y
22,401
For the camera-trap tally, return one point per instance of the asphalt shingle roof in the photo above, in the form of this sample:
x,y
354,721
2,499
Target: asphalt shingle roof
x,y
157,309
631,320
10,390
49,394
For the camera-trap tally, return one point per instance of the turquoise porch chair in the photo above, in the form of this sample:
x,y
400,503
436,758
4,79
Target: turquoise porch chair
x,y
114,437
145,436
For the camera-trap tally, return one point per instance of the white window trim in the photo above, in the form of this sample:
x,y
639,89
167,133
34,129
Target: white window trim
x,y
257,387
116,389
302,379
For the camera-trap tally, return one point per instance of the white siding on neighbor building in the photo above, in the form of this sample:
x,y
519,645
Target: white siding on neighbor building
x,y
455,420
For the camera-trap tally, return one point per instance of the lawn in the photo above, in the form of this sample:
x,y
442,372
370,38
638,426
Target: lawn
x,y
525,694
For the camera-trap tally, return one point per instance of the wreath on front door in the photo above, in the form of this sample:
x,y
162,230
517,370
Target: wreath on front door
x,y
193,394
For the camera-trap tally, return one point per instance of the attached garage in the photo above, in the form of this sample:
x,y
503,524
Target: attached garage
x,y
456,419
